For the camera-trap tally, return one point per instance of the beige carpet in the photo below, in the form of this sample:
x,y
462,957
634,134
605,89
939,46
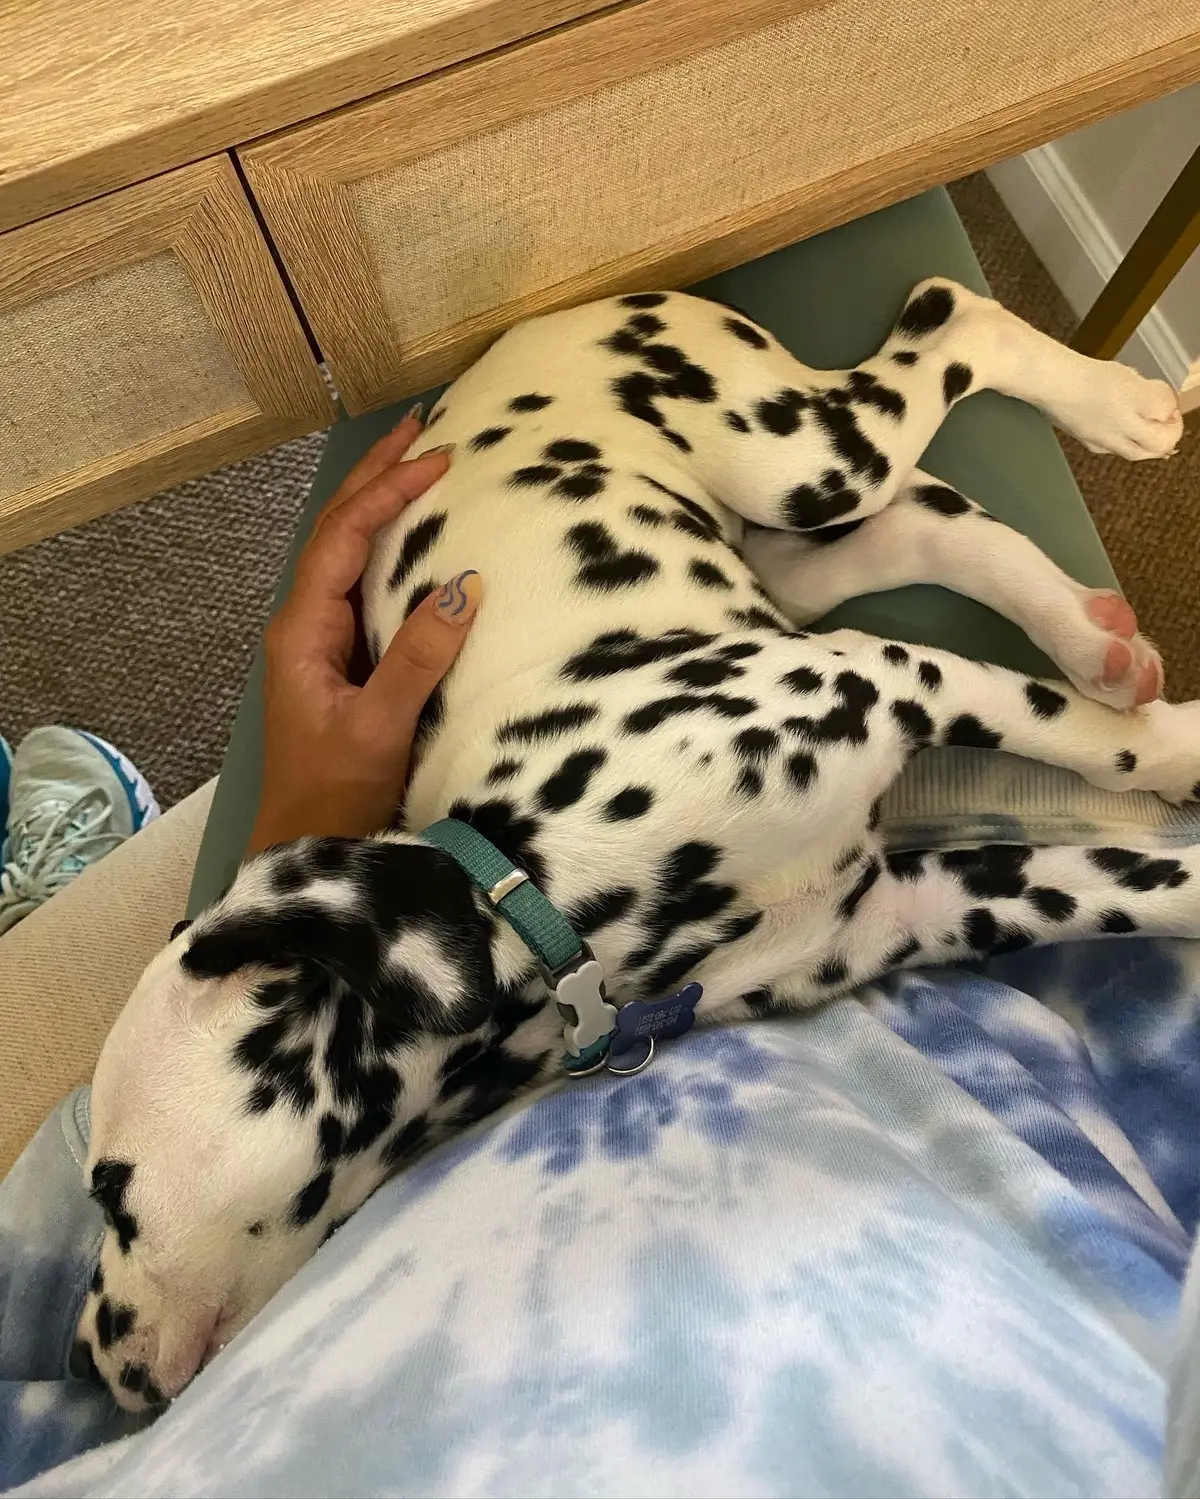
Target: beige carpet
x,y
141,625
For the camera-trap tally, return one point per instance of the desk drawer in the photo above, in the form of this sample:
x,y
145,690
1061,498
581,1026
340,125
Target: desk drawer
x,y
146,337
662,142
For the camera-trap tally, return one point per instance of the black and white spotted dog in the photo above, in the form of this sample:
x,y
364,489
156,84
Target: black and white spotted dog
x,y
638,722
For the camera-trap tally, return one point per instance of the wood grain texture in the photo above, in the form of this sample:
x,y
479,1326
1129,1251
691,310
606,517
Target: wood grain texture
x,y
102,93
201,217
299,177
305,179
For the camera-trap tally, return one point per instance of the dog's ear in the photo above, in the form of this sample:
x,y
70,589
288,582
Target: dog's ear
x,y
396,923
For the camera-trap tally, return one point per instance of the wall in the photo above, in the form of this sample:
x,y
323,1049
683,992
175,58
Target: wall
x,y
1082,201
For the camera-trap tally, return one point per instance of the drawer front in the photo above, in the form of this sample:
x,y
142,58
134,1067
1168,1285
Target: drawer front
x,y
147,338
661,143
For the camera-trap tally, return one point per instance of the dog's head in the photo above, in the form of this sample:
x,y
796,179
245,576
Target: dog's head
x,y
331,1014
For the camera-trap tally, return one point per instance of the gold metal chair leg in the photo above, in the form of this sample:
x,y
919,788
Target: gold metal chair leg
x,y
1154,260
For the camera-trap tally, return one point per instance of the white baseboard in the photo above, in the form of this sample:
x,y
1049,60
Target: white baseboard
x,y
1075,246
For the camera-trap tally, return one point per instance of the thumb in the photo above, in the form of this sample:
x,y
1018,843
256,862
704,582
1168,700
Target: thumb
x,y
425,646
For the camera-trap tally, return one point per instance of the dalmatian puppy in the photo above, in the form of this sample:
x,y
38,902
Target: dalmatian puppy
x,y
659,496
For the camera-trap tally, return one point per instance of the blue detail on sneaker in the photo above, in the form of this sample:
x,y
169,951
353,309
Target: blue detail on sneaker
x,y
142,806
6,759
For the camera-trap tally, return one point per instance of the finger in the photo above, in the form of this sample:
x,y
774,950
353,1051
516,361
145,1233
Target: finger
x,y
334,557
389,449
424,649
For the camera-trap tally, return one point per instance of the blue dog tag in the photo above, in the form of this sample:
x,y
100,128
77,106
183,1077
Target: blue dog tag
x,y
650,1020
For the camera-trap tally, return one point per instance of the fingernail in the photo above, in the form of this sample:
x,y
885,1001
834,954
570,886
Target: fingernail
x,y
446,447
413,414
458,600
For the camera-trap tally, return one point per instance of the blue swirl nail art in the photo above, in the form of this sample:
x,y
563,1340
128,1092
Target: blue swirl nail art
x,y
452,599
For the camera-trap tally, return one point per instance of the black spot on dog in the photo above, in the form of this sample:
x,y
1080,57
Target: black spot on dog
x,y
635,392
905,356
488,438
570,781
926,312
705,671
941,499
644,299
255,1229
110,1182
914,722
738,422
633,801
930,675
801,769
750,781
994,871
739,650
570,450
626,650
277,1069
846,721
603,564
809,507
967,730
780,414
679,440
1045,701
97,1281
535,473
708,575
602,908
113,1322
756,744
1116,922
896,654
584,484
498,821
312,1198
501,771
851,901
1136,871
906,863
647,515
417,545
1125,761
956,379
1054,905
802,679
849,441
900,954
407,1142
755,618
984,934
647,325
622,341
868,390
832,971
684,896
759,1000
535,728
331,1138
485,1081
747,333
531,402
654,714
418,596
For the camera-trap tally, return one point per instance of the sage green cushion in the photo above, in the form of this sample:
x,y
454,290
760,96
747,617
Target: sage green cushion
x,y
832,300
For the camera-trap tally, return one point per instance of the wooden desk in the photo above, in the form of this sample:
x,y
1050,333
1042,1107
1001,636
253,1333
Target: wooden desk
x,y
198,202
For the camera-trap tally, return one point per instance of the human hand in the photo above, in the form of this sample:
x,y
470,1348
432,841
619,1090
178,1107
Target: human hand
x,y
336,750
